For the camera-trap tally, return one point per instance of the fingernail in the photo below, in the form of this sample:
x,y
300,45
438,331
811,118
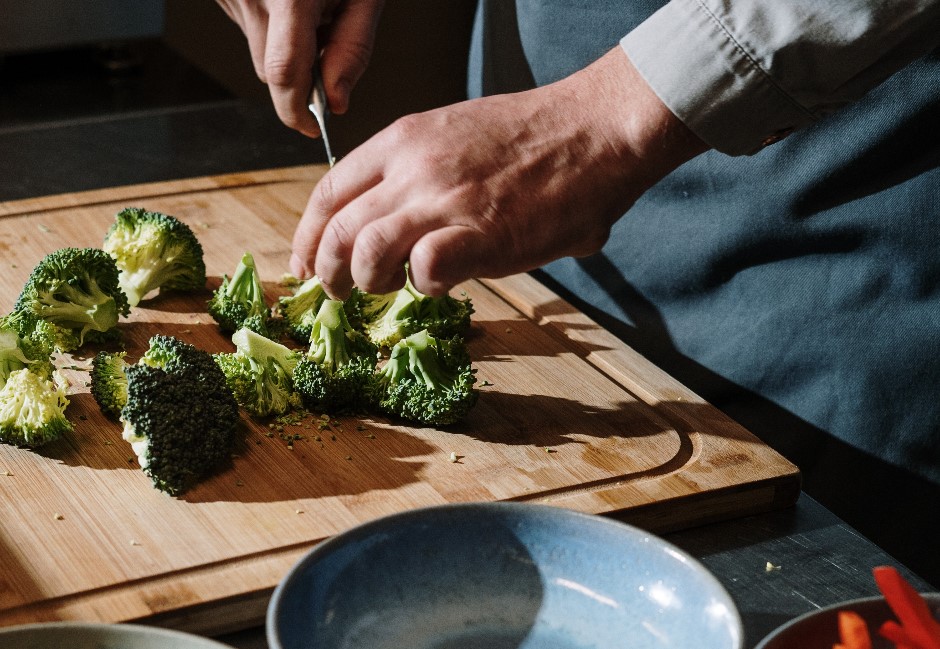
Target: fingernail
x,y
343,89
297,267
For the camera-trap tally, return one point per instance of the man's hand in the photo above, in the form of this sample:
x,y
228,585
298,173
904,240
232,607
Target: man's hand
x,y
491,187
284,37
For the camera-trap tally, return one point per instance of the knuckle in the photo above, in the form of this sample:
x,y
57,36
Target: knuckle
x,y
280,72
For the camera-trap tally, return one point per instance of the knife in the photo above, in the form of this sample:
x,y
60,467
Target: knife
x,y
317,106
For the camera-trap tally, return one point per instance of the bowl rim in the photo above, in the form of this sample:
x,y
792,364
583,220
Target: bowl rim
x,y
933,597
204,642
328,545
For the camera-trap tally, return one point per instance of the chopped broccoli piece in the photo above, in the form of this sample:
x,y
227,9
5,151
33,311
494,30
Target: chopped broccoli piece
x,y
180,417
109,381
259,373
77,292
389,317
444,316
12,356
335,373
239,300
17,353
300,308
426,379
32,408
154,251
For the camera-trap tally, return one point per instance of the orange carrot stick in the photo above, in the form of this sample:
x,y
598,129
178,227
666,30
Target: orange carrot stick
x,y
853,631
911,609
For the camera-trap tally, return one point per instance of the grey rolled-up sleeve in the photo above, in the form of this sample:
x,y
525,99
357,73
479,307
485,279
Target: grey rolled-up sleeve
x,y
742,74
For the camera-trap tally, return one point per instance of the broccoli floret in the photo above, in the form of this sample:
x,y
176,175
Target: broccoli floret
x,y
32,408
443,316
426,379
180,417
389,317
337,369
239,300
300,308
17,353
154,251
259,373
76,290
109,381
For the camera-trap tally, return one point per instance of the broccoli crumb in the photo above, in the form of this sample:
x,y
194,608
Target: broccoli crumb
x,y
769,567
6,473
57,516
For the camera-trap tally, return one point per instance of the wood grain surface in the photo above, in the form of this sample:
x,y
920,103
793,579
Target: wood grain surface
x,y
568,416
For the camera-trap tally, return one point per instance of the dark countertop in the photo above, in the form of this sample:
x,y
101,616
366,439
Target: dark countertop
x,y
819,559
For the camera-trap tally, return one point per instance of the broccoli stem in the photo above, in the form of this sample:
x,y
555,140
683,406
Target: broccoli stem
x,y
246,286
419,358
328,337
72,307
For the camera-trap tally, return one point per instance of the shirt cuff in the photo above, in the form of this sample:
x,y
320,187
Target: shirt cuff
x,y
709,81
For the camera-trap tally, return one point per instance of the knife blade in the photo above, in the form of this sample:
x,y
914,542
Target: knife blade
x,y
317,105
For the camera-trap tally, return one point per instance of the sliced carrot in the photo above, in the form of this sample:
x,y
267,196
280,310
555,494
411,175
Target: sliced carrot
x,y
911,609
853,631
893,632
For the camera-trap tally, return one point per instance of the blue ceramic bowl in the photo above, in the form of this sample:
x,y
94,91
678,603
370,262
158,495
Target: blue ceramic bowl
x,y
499,576
99,635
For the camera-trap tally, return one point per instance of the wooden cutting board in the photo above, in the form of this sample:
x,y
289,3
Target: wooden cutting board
x,y
568,416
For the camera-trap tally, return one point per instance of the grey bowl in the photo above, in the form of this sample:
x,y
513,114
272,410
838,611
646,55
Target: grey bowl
x,y
499,576
819,629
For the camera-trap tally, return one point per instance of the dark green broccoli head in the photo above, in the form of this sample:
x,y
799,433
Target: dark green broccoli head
x,y
338,367
427,380
180,416
32,409
259,373
109,381
299,309
154,251
76,290
239,300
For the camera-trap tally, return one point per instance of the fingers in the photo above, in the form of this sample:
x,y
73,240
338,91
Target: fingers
x,y
443,258
289,54
352,177
348,50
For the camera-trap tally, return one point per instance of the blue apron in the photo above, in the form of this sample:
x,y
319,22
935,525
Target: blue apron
x,y
797,289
